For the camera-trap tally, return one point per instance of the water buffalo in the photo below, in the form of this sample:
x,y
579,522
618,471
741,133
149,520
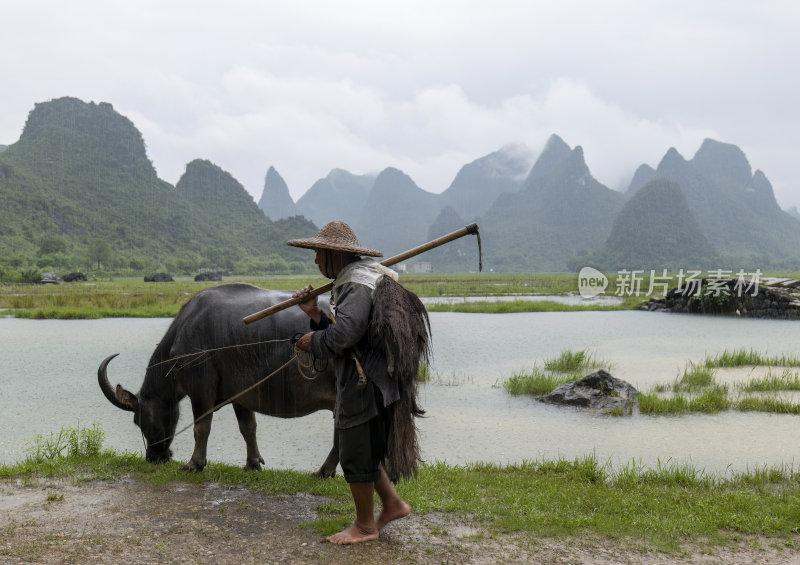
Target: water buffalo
x,y
212,320
75,276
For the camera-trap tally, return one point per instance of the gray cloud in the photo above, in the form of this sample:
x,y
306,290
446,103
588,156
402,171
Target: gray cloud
x,y
422,86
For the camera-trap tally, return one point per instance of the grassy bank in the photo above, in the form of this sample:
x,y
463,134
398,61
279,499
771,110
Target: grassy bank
x,y
660,508
522,305
135,298
115,298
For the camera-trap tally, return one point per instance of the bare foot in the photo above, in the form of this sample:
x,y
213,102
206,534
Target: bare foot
x,y
392,512
354,534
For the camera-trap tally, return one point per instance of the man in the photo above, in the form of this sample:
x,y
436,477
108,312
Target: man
x,y
371,359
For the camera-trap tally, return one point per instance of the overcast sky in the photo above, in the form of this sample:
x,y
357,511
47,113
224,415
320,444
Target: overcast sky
x,y
422,86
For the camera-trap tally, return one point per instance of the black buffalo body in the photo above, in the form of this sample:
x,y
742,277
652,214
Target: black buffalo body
x,y
210,355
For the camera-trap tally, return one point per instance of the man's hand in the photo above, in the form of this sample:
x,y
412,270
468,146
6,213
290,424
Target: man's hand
x,y
304,343
310,306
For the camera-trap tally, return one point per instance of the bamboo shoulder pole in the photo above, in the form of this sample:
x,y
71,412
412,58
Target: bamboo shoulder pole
x,y
471,229
287,303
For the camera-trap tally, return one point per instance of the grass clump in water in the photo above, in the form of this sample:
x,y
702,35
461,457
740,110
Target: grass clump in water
x,y
711,399
535,382
569,361
767,404
694,378
744,358
696,390
654,403
787,380
568,366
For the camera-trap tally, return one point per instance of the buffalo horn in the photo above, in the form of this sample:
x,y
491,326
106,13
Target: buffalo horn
x,y
119,397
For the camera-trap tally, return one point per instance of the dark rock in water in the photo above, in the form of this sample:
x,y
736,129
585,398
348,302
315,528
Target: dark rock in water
x,y
596,391
763,298
50,278
208,276
76,276
158,277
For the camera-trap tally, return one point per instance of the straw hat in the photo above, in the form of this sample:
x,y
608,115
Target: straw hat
x,y
336,236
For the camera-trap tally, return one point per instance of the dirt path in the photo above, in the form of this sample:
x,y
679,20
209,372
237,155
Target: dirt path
x,y
127,521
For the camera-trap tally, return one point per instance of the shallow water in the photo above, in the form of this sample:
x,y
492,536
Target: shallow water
x,y
48,381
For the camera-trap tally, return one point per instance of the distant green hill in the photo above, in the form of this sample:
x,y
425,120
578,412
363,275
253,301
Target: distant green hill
x,y
478,184
78,192
392,213
734,207
396,215
560,212
339,196
654,230
275,201
80,175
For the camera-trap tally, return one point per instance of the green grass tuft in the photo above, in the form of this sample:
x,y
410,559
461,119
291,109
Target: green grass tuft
x,y
535,382
744,358
711,399
788,380
694,377
568,366
767,404
568,361
652,403
696,390
69,442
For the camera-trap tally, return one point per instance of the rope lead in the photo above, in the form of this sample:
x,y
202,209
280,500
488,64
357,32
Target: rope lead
x,y
231,399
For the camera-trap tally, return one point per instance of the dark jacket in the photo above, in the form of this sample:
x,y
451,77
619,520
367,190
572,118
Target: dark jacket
x,y
354,404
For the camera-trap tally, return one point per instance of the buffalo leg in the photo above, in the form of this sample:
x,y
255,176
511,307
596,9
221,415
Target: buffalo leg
x,y
328,468
201,431
247,425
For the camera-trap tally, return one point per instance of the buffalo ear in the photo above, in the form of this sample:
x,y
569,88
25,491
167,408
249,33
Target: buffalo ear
x,y
126,398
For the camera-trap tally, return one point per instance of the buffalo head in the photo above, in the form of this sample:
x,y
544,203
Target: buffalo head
x,y
155,414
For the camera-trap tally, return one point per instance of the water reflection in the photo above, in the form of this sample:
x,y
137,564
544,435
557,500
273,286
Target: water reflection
x,y
48,381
